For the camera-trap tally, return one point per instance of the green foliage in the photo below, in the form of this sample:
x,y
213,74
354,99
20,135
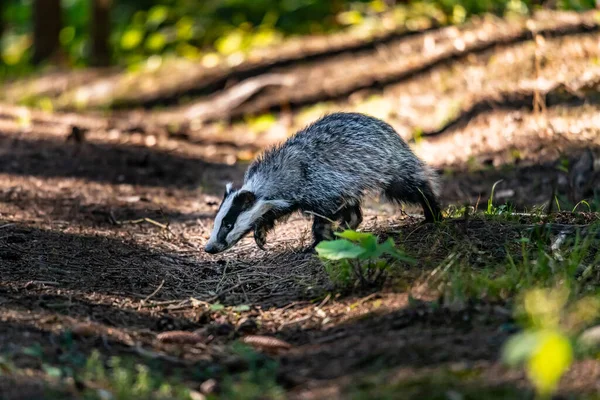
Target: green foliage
x,y
578,5
546,354
504,210
358,257
546,346
122,380
97,378
459,10
187,29
553,319
525,264
257,382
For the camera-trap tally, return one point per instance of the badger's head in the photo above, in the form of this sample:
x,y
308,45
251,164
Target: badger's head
x,y
238,214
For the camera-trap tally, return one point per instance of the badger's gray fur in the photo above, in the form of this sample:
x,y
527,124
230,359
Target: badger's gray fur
x,y
325,169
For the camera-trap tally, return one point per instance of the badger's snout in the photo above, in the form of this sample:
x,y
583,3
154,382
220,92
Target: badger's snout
x,y
212,248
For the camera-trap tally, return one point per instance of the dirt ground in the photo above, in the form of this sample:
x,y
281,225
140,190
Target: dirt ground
x,y
109,231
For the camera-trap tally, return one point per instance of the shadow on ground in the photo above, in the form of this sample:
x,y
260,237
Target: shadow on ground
x,y
75,205
116,164
121,266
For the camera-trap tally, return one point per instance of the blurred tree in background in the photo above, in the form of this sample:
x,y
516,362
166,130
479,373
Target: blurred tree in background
x,y
47,23
100,32
125,32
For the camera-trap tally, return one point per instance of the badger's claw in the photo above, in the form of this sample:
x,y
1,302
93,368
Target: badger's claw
x,y
261,245
260,237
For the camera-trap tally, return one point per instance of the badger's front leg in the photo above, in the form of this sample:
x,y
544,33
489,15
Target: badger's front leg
x,y
260,234
266,224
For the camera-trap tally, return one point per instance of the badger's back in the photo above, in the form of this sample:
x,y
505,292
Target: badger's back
x,y
340,156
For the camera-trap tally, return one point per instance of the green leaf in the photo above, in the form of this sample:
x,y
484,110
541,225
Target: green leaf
x,y
519,348
367,241
157,15
338,249
131,39
185,28
353,235
389,247
262,122
34,351
490,207
552,357
241,308
351,17
53,372
66,35
231,42
156,42
217,307
371,248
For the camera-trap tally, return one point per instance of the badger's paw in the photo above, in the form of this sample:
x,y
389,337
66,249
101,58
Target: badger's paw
x,y
260,237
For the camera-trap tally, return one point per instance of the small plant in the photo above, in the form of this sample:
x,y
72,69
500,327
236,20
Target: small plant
x,y
358,258
123,381
546,346
491,209
257,382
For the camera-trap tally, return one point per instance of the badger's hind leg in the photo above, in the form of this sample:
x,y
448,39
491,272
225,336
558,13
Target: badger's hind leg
x,y
417,192
430,204
351,216
322,229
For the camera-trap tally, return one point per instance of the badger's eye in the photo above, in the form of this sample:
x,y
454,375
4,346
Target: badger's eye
x,y
229,226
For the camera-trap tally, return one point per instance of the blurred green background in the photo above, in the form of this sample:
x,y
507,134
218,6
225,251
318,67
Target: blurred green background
x,y
129,31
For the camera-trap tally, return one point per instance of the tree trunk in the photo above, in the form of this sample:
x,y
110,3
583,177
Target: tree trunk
x,y
1,18
100,32
47,23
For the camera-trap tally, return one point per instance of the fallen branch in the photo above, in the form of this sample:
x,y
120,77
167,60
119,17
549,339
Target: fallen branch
x,y
155,292
139,221
220,104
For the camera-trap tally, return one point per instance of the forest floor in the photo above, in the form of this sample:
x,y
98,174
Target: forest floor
x,y
101,234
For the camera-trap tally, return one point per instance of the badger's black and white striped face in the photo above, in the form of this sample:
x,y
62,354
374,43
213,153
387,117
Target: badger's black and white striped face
x,y
238,214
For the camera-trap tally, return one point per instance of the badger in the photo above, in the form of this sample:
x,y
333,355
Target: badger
x,y
324,170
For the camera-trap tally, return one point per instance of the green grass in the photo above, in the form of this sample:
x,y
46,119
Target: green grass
x,y
521,264
95,376
257,382
126,380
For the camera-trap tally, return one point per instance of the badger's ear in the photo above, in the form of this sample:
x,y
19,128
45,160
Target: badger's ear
x,y
228,189
246,198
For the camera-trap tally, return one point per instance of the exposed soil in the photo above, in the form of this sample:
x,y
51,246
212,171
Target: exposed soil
x,y
109,228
